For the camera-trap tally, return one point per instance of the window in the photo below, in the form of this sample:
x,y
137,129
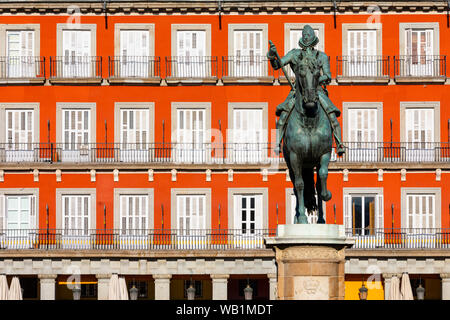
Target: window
x,y
421,209
363,210
191,216
361,50
76,212
19,216
191,122
421,127
20,53
363,130
134,128
133,212
20,132
142,287
76,50
191,51
19,44
248,213
75,129
88,290
19,135
77,53
247,50
419,49
134,53
247,136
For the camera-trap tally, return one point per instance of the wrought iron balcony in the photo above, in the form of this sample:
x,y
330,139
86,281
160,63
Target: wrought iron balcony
x,y
351,69
139,69
76,68
247,69
400,238
134,239
192,69
16,69
213,153
415,68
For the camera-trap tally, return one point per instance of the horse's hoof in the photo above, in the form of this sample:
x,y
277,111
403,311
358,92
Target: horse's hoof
x,y
320,221
327,196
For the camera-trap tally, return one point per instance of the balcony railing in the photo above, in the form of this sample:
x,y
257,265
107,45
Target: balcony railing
x,y
362,67
76,67
134,67
23,67
424,66
191,68
213,153
246,67
400,238
396,152
134,239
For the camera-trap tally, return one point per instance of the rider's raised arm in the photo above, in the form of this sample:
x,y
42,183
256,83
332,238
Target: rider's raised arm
x,y
277,64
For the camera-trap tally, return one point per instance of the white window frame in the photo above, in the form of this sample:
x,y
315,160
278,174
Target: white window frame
x,y
428,153
147,192
258,155
232,192
378,193
290,209
60,27
91,192
362,151
420,191
20,27
421,25
200,154
150,28
5,192
175,192
232,28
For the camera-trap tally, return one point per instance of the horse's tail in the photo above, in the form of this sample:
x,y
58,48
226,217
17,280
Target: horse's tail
x,y
309,190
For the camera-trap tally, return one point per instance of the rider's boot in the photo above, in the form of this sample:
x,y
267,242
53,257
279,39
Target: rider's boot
x,y
340,148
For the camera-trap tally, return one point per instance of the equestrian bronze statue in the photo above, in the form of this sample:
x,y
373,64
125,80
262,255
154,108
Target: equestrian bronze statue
x,y
307,123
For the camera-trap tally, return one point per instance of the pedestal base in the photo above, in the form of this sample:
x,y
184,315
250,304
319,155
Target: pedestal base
x,y
310,261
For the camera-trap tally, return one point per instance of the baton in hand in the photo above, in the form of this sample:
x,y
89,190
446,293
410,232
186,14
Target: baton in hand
x,y
282,68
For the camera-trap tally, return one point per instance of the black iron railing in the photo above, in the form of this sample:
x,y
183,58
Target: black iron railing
x,y
141,67
246,67
134,239
362,66
420,66
23,67
400,238
73,67
191,67
213,153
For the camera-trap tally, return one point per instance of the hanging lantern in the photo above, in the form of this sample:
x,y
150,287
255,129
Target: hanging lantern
x,y
248,292
420,291
190,292
76,293
134,293
363,293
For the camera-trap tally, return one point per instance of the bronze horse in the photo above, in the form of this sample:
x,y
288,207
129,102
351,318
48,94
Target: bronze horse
x,y
308,140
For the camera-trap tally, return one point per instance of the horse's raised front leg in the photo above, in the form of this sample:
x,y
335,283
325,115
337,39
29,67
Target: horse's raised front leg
x,y
300,216
323,175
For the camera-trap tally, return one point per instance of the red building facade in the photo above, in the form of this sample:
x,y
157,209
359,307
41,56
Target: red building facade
x,y
159,119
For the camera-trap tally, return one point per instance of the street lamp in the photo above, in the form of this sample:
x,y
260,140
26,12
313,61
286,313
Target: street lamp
x,y
134,292
420,291
76,291
248,292
363,292
190,292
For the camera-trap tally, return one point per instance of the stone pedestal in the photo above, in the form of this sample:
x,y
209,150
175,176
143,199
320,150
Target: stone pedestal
x,y
310,261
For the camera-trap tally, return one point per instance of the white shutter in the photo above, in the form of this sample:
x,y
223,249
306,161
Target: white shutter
x,y
2,213
20,126
419,125
124,43
293,205
347,211
379,219
362,125
76,124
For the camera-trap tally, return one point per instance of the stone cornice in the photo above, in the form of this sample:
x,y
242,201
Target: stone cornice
x,y
116,7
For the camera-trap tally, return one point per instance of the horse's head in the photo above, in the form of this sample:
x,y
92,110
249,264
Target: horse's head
x,y
308,75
